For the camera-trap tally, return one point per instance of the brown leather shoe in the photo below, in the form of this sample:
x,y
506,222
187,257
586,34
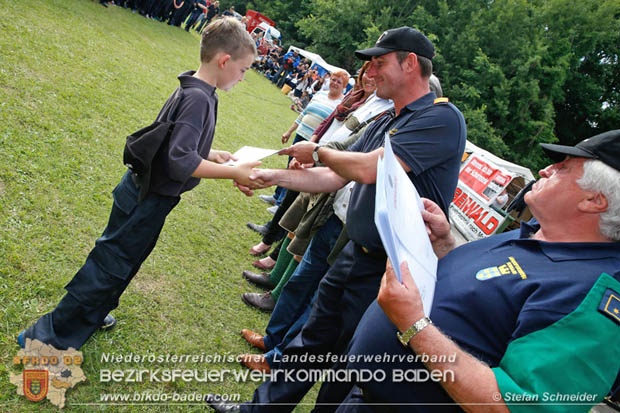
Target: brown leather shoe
x,y
265,264
262,279
255,362
263,302
254,339
259,249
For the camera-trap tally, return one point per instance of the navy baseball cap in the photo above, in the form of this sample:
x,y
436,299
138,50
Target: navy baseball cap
x,y
604,147
402,39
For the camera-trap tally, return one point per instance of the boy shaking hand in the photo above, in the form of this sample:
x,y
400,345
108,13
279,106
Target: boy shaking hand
x,y
226,53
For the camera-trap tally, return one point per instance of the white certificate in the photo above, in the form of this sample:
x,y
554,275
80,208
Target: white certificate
x,y
399,221
250,154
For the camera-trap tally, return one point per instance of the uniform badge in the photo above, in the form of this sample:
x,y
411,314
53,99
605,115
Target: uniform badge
x,y
35,384
510,267
381,37
488,273
610,305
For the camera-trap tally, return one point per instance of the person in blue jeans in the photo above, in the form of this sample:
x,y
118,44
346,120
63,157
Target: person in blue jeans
x,y
293,307
319,108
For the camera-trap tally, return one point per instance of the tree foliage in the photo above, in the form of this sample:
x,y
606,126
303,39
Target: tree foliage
x,y
523,72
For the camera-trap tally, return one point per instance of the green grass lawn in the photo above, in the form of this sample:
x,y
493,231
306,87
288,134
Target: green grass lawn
x,y
75,79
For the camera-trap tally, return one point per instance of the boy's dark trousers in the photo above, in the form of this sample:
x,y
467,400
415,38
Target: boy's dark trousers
x,y
129,238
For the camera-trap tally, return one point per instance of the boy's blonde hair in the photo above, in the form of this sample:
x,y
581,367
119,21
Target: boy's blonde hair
x,y
226,35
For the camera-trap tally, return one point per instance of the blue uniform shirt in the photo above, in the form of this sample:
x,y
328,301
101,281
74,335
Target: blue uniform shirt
x,y
488,293
429,138
500,288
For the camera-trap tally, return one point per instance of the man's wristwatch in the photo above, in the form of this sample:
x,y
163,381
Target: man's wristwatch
x,y
315,154
418,326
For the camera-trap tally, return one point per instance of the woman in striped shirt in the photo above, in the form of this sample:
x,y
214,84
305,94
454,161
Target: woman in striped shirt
x,y
320,107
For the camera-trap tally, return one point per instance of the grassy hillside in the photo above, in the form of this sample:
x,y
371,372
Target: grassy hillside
x,y
75,79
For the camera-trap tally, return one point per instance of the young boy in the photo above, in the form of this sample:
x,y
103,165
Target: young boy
x,y
226,52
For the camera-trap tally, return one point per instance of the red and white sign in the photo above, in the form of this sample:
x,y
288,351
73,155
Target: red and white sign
x,y
473,218
484,178
480,182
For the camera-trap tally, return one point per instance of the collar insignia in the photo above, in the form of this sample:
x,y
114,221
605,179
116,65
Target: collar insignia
x,y
610,305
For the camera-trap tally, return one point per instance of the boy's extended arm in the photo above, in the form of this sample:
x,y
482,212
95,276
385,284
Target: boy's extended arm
x,y
238,173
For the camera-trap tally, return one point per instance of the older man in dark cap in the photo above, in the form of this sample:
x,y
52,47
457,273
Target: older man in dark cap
x,y
527,320
428,137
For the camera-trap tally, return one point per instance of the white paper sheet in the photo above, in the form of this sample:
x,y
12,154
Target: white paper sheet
x,y
251,153
399,221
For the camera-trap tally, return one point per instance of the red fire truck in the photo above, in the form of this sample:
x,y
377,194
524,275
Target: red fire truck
x,y
255,18
262,25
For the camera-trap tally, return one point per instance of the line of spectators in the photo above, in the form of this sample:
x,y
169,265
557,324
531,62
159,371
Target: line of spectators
x,y
193,14
293,74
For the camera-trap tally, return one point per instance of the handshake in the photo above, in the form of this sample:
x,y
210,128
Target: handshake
x,y
247,177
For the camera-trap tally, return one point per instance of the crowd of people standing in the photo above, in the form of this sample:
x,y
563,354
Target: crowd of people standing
x,y
189,14
294,75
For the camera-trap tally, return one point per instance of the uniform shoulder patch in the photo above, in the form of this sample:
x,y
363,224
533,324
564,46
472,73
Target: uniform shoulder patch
x,y
441,100
610,305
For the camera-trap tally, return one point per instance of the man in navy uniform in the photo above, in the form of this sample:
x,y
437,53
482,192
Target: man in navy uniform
x,y
428,137
532,315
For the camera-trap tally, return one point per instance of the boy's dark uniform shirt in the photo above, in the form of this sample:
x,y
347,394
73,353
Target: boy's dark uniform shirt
x,y
190,141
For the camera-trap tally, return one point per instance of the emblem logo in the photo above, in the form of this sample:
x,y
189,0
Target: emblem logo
x,y
47,372
510,267
35,384
381,38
